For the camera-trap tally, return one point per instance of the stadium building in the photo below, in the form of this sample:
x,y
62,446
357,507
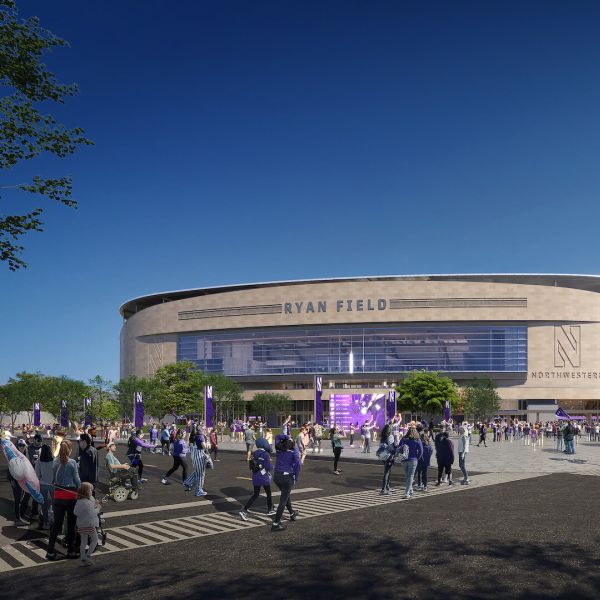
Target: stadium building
x,y
536,336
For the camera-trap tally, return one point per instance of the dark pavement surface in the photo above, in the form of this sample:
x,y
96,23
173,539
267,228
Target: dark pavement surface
x,y
535,538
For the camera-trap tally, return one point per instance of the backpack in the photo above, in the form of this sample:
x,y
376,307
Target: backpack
x,y
383,452
255,465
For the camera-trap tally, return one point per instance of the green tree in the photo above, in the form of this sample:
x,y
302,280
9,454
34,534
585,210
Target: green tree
x,y
481,399
426,392
180,388
150,389
21,391
227,396
266,403
65,388
26,132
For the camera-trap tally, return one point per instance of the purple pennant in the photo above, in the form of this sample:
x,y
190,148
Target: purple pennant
x,y
319,399
391,405
87,411
209,410
64,414
447,411
138,410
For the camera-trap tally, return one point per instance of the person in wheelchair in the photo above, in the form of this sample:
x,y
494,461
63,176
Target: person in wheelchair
x,y
119,470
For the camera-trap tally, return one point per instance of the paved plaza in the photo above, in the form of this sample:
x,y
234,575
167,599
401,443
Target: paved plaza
x,y
527,516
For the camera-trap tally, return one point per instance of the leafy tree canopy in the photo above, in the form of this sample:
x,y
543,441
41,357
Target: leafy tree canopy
x,y
481,399
426,392
25,131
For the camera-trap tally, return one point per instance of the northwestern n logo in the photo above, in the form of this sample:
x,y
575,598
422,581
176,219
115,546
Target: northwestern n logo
x,y
319,384
567,345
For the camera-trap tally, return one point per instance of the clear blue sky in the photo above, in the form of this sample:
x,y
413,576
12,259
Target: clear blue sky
x,y
251,141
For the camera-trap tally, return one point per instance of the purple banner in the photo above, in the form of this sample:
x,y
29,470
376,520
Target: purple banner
x,y
37,415
319,400
64,414
87,411
357,408
391,405
447,411
138,410
209,409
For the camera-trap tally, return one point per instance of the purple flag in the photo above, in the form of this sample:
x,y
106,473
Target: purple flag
x,y
391,404
561,414
138,410
319,400
87,411
209,410
447,411
37,415
64,414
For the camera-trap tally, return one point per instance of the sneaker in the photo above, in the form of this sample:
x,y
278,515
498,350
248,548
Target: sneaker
x,y
405,496
467,482
164,481
243,515
425,489
52,556
419,488
143,480
438,484
294,515
384,493
186,488
277,527
336,472
201,493
271,512
450,482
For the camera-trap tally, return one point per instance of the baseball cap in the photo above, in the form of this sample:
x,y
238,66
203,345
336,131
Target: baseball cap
x,y
21,442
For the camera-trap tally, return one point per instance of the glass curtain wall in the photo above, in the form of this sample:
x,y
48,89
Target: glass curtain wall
x,y
356,349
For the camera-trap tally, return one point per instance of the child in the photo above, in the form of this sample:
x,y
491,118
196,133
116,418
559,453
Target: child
x,y
86,511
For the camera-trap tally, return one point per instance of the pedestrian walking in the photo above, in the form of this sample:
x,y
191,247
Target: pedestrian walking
x,y
463,453
260,466
179,458
336,436
286,474
66,484
445,458
387,452
87,509
410,458
200,461
423,463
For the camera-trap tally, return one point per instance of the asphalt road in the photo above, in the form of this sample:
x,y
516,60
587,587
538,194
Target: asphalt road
x,y
534,538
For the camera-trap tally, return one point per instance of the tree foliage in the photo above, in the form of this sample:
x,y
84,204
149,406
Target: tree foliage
x,y
26,132
179,388
481,399
426,392
227,396
267,403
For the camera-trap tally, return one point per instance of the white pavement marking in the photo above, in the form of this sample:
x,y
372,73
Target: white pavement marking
x,y
196,504
155,533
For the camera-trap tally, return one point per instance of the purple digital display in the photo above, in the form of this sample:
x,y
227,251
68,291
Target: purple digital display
x,y
357,408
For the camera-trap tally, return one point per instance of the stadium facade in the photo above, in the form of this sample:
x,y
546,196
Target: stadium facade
x,y
537,336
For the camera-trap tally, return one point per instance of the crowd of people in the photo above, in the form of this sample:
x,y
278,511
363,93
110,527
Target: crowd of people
x,y
68,484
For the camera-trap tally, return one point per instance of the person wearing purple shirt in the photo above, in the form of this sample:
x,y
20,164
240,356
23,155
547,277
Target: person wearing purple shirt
x,y
261,477
415,452
287,473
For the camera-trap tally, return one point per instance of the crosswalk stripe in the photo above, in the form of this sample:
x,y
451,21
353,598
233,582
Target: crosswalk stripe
x,y
146,534
13,551
142,540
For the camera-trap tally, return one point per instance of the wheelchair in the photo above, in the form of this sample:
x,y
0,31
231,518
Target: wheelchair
x,y
120,488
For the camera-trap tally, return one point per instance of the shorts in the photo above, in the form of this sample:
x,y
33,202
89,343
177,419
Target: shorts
x,y
249,446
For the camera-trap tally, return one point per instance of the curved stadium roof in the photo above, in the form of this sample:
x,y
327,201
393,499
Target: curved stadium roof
x,y
589,283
